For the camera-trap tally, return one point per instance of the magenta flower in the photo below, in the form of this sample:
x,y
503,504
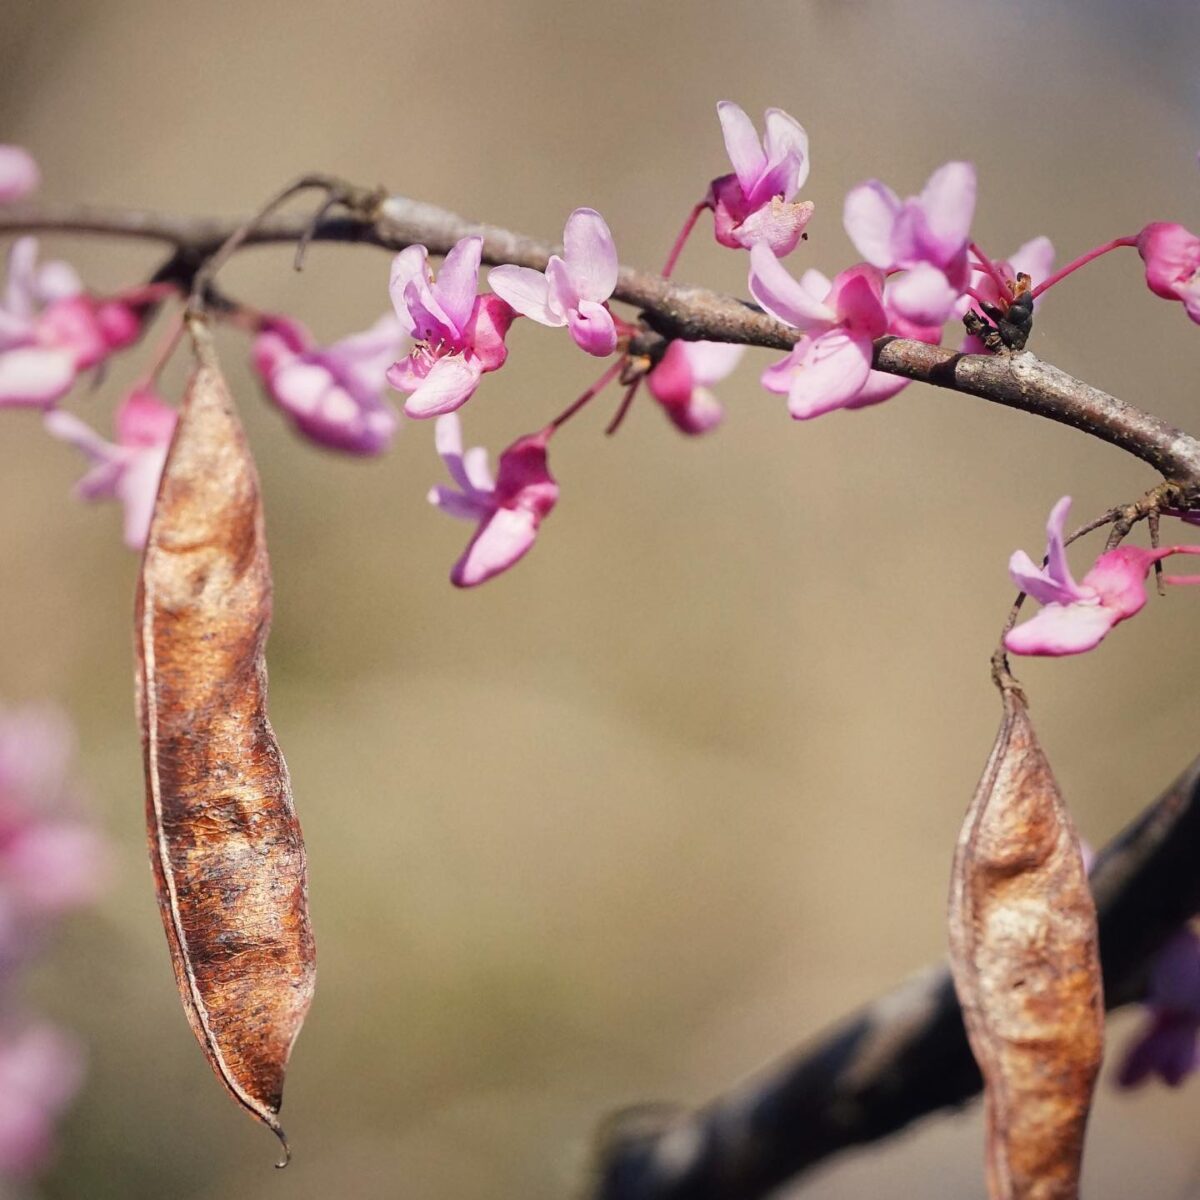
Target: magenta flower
x,y
1035,258
51,330
1076,616
333,395
459,335
41,1070
831,364
1167,1046
19,174
130,470
573,289
754,204
1172,258
681,381
508,511
925,235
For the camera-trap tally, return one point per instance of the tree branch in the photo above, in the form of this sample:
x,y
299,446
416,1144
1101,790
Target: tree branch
x,y
671,310
903,1056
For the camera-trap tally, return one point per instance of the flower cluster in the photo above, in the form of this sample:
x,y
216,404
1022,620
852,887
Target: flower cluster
x,y
52,862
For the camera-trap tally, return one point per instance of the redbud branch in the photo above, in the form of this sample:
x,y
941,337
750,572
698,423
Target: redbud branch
x,y
671,310
900,1058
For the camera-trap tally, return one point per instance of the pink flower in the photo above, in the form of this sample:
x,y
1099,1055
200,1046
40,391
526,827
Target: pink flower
x,y
19,174
1172,258
1076,616
459,335
925,235
332,394
130,470
573,289
51,330
1035,258
681,380
51,861
1167,1046
508,511
831,364
754,204
41,1070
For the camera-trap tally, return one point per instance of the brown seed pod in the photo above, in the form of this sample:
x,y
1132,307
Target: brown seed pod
x,y
224,841
1026,967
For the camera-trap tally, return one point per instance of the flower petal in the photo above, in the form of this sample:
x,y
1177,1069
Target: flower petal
x,y
527,291
1034,258
592,328
458,281
19,174
590,255
830,373
782,296
504,538
31,377
1060,629
869,216
948,202
449,385
741,144
924,295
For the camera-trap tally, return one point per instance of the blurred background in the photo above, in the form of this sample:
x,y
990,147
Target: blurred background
x,y
636,818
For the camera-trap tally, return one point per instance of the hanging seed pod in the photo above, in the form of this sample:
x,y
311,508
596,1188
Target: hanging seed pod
x,y
1026,967
225,845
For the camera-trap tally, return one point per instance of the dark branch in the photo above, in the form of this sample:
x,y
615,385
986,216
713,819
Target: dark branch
x,y
671,310
902,1057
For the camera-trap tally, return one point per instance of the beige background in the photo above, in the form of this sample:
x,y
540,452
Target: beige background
x,y
638,817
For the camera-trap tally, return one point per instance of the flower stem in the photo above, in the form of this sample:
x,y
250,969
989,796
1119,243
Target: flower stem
x,y
991,268
572,408
1081,261
623,411
684,234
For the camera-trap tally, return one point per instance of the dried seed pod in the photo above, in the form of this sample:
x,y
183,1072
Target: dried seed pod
x,y
1026,966
224,841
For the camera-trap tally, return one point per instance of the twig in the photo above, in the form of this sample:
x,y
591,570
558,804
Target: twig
x,y
1017,380
900,1058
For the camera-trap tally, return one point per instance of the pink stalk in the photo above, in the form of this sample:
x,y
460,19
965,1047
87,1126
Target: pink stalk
x,y
623,411
1081,261
684,234
596,387
991,268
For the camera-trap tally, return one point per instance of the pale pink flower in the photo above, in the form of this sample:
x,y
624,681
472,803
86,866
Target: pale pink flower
x,y
1172,258
41,1070
1076,616
831,364
128,471
459,335
925,235
574,287
1167,1045
333,395
51,330
754,204
507,511
681,380
19,174
1034,258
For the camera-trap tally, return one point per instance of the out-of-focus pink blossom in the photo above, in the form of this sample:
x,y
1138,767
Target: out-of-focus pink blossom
x,y
1167,1046
41,1069
1172,257
682,379
459,335
573,288
507,511
830,366
129,470
1076,616
333,395
925,235
51,330
754,204
1035,258
19,174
